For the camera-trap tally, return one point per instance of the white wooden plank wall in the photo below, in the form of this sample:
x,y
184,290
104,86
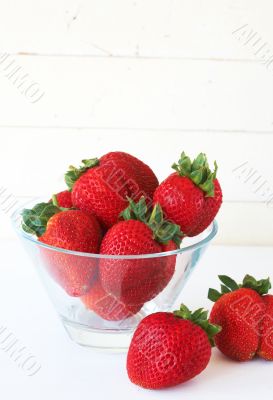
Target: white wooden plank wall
x,y
80,78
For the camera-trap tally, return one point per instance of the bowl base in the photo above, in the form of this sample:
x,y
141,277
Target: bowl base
x,y
112,340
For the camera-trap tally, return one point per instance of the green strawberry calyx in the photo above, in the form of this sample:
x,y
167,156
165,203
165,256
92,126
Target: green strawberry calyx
x,y
163,230
200,318
228,285
198,171
73,173
55,202
35,219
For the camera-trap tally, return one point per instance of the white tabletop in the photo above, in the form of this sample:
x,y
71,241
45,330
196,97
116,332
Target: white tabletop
x,y
69,371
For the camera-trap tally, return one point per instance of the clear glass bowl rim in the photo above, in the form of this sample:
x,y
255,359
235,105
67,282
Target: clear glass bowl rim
x,y
212,231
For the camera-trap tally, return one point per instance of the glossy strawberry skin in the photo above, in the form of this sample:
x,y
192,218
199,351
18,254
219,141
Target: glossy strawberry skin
x,y
239,314
94,194
103,189
144,176
266,330
107,306
77,231
210,210
134,281
185,204
64,199
166,351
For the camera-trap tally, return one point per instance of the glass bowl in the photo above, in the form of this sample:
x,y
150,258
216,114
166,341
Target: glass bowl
x,y
101,317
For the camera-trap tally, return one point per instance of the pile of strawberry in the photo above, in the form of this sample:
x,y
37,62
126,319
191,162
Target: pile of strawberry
x,y
115,206
170,348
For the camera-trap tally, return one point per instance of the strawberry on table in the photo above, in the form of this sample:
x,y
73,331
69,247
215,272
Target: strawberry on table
x,y
241,310
106,305
136,281
101,186
170,348
266,330
191,196
70,230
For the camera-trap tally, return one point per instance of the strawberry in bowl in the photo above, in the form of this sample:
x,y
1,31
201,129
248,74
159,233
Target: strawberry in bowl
x,y
191,196
109,249
70,230
101,186
136,281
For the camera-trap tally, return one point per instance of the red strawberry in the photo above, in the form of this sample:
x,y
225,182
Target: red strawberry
x,y
107,306
239,310
135,281
169,263
102,186
71,230
63,199
170,348
266,330
145,177
190,197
